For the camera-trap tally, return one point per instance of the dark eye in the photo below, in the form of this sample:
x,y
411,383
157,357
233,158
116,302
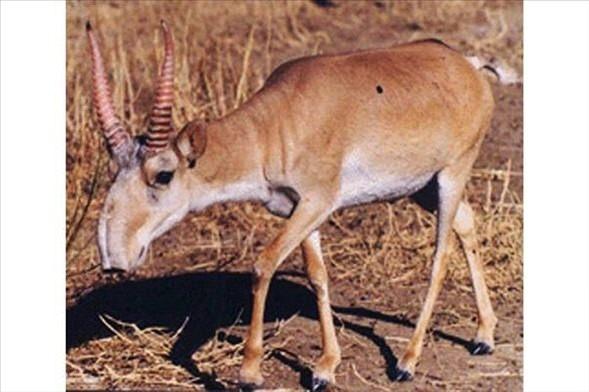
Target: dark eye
x,y
164,177
141,139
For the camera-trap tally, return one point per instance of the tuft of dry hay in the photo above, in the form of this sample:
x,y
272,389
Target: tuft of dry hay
x,y
139,358
225,50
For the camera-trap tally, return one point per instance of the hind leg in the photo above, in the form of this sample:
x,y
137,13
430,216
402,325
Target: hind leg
x,y
464,226
451,181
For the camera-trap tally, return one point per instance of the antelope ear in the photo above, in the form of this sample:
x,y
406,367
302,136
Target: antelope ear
x,y
192,141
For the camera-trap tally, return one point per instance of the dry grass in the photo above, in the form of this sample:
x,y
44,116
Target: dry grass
x,y
225,50
144,356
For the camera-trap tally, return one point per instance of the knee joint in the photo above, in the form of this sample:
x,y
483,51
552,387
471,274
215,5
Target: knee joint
x,y
263,268
261,272
464,223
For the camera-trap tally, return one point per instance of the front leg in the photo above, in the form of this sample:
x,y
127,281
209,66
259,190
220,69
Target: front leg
x,y
308,215
324,371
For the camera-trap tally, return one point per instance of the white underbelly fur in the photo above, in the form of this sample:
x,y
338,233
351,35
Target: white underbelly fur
x,y
362,185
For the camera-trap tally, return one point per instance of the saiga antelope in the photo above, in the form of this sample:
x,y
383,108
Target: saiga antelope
x,y
325,132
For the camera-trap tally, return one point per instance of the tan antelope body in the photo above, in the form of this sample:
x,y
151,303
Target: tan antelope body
x,y
325,132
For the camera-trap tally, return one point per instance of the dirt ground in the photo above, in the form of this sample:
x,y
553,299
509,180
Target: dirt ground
x,y
192,297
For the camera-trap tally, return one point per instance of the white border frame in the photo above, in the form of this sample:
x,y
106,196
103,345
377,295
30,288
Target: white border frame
x,y
556,196
33,196
32,267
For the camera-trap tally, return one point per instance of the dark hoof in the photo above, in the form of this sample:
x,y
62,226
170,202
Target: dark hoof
x,y
401,375
318,384
248,387
481,348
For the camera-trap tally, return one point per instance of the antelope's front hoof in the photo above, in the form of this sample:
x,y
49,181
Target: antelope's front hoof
x,y
481,348
401,375
250,380
318,384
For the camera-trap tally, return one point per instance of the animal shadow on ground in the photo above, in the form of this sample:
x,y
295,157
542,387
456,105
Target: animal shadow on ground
x,y
211,301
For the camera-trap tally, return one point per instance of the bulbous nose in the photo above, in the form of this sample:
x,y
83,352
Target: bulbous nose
x,y
110,265
114,271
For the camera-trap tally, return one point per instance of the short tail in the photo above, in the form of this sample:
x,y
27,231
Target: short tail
x,y
503,73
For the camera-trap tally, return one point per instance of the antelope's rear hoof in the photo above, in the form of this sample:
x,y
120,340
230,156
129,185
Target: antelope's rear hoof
x,y
318,384
481,348
402,375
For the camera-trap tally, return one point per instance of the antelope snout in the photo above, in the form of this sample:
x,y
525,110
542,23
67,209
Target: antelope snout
x,y
110,265
113,270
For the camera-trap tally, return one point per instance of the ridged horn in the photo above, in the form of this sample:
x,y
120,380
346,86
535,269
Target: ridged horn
x,y
160,121
118,139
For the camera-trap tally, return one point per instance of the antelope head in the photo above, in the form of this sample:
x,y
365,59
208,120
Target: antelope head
x,y
150,192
